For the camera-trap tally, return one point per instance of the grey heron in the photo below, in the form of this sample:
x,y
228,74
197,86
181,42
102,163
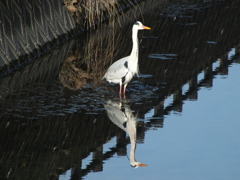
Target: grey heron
x,y
123,70
121,115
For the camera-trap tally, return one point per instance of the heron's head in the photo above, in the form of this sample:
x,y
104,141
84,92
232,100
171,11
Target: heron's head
x,y
140,26
137,164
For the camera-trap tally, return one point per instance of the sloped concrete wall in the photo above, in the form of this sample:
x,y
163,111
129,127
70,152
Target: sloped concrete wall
x,y
29,28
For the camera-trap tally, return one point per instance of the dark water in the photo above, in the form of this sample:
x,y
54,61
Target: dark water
x,y
181,117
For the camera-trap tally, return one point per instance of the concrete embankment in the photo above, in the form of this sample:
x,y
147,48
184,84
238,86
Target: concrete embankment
x,y
29,29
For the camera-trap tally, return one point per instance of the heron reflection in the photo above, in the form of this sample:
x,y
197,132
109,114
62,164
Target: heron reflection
x,y
121,115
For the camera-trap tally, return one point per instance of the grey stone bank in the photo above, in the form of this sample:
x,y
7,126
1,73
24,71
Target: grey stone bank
x,y
28,28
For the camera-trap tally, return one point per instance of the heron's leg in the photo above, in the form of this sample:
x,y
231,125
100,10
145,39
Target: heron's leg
x,y
120,88
124,88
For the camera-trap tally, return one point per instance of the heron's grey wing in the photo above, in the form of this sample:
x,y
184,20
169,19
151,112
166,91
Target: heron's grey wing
x,y
115,114
118,69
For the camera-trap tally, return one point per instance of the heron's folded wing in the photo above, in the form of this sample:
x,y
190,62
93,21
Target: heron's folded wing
x,y
117,70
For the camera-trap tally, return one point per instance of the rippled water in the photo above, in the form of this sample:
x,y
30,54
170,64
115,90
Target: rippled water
x,y
180,117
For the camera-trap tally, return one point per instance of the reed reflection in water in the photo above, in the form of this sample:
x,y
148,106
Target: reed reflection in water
x,y
89,57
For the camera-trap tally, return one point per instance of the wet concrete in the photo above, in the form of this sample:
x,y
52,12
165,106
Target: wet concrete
x,y
55,122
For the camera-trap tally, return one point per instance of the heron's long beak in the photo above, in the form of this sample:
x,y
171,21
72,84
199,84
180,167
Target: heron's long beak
x,y
145,27
142,165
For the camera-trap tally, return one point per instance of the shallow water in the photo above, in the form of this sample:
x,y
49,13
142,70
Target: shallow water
x,y
180,117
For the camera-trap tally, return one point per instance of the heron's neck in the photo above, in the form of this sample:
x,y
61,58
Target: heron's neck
x,y
132,136
134,52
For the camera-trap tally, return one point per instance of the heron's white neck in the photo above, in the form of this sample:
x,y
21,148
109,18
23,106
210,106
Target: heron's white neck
x,y
134,52
132,135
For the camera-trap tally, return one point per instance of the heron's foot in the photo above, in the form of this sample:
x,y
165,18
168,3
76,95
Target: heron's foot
x,y
122,96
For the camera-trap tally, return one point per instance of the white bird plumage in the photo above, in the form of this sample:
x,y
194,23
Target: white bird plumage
x,y
122,116
122,71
